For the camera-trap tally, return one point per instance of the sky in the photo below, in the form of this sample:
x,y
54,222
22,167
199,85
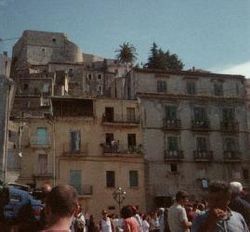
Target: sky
x,y
212,35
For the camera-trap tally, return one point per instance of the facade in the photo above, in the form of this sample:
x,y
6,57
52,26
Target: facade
x,y
69,131
194,130
8,138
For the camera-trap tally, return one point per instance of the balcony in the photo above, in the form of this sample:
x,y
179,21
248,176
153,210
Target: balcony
x,y
173,124
173,155
43,175
120,149
121,120
203,156
70,152
85,189
232,156
40,142
229,126
200,125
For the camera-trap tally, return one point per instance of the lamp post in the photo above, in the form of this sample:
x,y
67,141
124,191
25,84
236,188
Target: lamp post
x,y
119,196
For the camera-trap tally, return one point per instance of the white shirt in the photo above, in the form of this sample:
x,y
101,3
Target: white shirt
x,y
145,226
176,215
106,225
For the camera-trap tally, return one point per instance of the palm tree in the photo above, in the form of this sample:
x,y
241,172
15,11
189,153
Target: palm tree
x,y
126,53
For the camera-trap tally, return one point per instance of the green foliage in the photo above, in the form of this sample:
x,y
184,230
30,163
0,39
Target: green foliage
x,y
158,59
126,53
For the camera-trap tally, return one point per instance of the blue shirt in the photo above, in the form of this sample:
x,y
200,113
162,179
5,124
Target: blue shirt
x,y
234,223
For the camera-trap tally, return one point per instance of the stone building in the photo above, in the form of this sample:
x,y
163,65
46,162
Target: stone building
x,y
194,130
69,131
8,135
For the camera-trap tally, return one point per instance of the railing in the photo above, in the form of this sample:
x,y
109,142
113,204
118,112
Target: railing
x,y
36,141
85,189
171,124
121,149
200,125
232,156
68,151
203,155
173,155
43,175
121,118
229,126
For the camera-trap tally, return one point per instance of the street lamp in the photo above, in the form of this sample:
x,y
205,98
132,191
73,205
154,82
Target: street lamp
x,y
119,196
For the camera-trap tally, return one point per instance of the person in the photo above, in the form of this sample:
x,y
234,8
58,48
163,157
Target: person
x,y
219,217
79,222
145,223
61,204
154,222
106,224
162,219
91,225
137,216
237,203
130,224
177,217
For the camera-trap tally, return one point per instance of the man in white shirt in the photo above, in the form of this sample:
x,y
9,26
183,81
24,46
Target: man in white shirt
x,y
177,216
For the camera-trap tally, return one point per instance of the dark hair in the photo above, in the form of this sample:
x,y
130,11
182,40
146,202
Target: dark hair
x,y
126,212
180,195
62,200
220,186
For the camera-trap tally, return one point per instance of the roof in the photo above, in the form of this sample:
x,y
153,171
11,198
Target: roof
x,y
187,73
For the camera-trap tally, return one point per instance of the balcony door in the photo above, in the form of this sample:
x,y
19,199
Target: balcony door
x,y
76,180
43,164
109,114
42,136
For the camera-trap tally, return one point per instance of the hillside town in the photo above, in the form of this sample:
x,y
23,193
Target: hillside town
x,y
119,134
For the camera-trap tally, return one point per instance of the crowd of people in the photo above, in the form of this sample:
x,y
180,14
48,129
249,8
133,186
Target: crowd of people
x,y
226,209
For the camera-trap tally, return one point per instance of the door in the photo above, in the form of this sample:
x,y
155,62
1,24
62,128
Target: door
x,y
76,180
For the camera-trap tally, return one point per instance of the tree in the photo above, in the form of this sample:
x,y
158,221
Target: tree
x,y
126,53
158,59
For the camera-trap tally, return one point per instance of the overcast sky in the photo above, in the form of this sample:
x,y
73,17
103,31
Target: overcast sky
x,y
212,35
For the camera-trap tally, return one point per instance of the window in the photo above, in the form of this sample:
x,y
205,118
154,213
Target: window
x,y
75,141
110,179
133,178
109,138
76,180
245,174
89,76
131,140
172,143
45,88
161,86
43,164
230,145
218,89
173,168
99,76
130,114
237,89
109,114
25,86
200,114
191,87
171,112
228,114
42,136
54,40
201,144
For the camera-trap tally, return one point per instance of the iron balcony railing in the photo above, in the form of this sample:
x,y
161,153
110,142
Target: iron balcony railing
x,y
232,155
203,155
121,118
229,126
37,141
121,149
85,189
200,124
171,124
75,151
173,155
